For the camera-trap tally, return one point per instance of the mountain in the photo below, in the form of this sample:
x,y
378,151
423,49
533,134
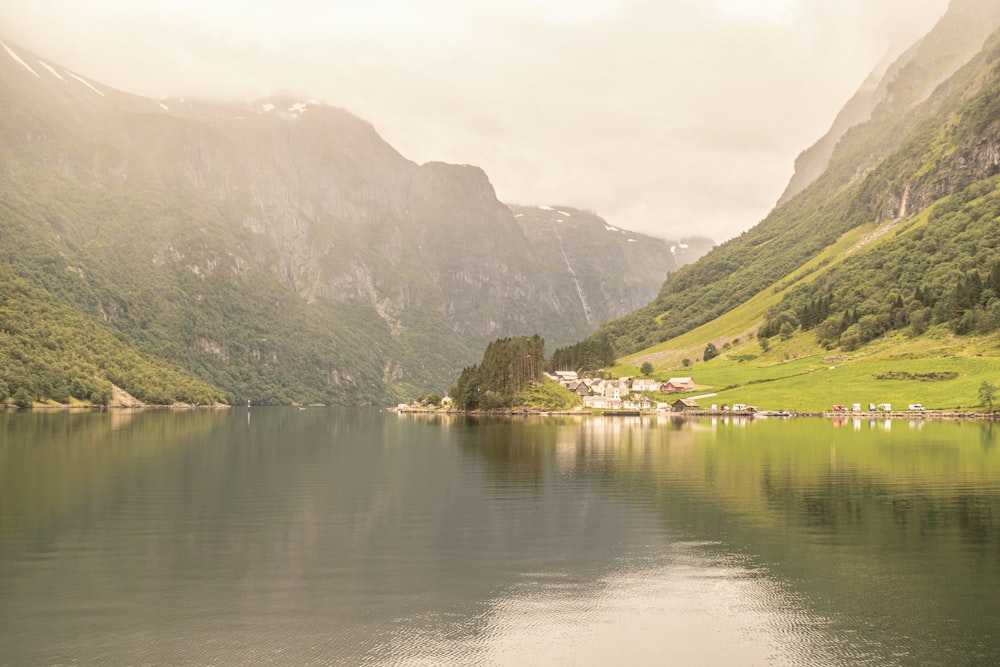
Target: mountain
x,y
280,249
604,266
904,82
901,219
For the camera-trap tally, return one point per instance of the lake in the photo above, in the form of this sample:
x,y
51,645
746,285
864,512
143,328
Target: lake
x,y
360,537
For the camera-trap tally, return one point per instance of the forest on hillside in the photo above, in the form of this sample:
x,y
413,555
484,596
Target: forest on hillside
x,y
943,271
50,352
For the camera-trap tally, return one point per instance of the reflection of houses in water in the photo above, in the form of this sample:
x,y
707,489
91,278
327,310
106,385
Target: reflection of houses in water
x,y
567,446
856,423
653,438
732,420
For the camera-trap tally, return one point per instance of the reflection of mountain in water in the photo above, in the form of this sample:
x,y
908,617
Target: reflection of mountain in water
x,y
367,536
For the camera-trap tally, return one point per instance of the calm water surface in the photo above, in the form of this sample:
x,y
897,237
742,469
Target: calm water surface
x,y
339,537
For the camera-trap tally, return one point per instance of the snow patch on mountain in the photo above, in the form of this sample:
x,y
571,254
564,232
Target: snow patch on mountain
x,y
18,60
51,69
86,83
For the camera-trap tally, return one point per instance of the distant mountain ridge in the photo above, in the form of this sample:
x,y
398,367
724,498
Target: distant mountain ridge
x,y
572,240
280,249
904,82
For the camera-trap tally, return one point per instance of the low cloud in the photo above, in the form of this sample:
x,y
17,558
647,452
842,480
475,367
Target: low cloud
x,y
670,118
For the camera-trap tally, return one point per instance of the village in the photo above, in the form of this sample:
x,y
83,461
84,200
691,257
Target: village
x,y
634,396
627,393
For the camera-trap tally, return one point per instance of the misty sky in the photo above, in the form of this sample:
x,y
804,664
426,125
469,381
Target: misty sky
x,y
670,117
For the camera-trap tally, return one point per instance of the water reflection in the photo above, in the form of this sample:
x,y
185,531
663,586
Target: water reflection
x,y
359,537
654,614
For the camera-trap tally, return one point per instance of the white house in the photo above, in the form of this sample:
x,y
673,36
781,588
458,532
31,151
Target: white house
x,y
643,384
602,402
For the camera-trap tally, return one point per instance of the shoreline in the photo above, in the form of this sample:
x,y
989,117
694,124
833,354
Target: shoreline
x,y
105,408
928,415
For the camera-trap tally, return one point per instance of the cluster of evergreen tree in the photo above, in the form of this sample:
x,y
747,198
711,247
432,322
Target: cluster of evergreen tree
x,y
944,271
509,366
587,355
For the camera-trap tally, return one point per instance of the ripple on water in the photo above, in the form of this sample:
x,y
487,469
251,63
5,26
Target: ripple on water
x,y
690,608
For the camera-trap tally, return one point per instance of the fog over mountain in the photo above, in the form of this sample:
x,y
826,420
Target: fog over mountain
x,y
280,250
669,118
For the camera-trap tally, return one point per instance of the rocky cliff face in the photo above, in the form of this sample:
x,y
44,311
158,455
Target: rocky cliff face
x,y
936,150
893,88
282,249
569,240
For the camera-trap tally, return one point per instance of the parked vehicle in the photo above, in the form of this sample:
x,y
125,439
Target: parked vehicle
x,y
916,407
840,408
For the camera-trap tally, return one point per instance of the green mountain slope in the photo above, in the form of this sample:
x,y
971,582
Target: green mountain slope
x,y
882,173
50,352
879,283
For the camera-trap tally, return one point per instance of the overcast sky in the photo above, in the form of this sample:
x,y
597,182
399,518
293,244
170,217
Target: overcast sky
x,y
670,117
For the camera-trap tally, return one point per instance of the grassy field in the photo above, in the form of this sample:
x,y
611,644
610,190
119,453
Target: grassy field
x,y
740,323
940,371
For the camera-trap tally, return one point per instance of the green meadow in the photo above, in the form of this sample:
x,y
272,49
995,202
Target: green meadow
x,y
940,371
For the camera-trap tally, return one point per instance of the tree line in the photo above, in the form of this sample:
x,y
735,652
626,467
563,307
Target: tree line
x,y
509,366
587,355
944,271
